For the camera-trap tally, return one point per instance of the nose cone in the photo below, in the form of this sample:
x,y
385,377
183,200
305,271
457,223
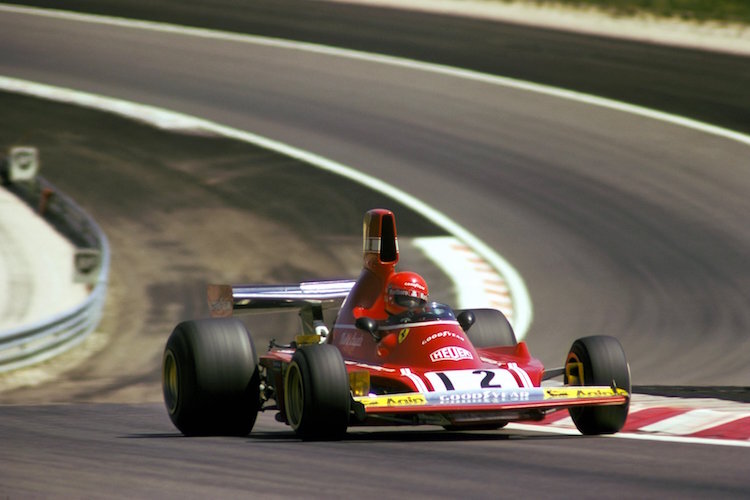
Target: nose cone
x,y
431,347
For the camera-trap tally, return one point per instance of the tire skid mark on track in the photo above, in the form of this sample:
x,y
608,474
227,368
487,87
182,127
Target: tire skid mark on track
x,y
734,425
170,120
457,72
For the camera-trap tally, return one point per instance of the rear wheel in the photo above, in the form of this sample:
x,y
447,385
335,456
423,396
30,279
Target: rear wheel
x,y
317,399
598,360
210,378
490,329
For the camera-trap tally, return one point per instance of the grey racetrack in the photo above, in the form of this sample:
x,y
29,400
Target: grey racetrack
x,y
133,451
619,224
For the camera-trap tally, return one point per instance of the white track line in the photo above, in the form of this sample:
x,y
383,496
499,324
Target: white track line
x,y
627,435
523,309
177,121
523,312
679,420
165,119
693,421
481,285
389,60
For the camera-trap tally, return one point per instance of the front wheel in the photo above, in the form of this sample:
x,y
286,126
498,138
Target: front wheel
x,y
317,398
210,378
598,360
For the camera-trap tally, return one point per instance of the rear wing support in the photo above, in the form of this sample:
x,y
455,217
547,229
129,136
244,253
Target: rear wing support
x,y
310,297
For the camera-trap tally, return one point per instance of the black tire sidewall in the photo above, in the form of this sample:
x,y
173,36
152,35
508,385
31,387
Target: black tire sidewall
x,y
490,329
603,360
604,364
186,382
218,386
325,385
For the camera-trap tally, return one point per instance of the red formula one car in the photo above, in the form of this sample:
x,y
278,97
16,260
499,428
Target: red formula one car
x,y
390,358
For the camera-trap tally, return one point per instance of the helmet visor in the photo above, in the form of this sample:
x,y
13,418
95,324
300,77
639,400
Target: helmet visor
x,y
407,301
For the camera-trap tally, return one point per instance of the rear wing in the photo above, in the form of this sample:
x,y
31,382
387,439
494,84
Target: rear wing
x,y
310,297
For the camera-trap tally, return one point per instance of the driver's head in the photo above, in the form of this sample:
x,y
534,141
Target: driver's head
x,y
405,291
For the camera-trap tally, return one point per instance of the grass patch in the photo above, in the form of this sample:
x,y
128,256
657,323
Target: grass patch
x,y
737,11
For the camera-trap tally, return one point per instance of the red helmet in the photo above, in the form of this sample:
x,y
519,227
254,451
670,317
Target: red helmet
x,y
404,291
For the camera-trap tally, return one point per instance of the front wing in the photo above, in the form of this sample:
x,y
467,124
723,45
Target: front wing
x,y
515,401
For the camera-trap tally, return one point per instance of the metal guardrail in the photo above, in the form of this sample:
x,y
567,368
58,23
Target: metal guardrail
x,y
44,339
49,337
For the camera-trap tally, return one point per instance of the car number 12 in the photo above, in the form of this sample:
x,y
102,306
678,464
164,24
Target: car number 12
x,y
461,380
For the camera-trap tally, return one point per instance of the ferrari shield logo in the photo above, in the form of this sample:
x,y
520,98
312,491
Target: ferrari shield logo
x,y
402,335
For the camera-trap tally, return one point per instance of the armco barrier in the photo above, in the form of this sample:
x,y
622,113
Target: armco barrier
x,y
48,337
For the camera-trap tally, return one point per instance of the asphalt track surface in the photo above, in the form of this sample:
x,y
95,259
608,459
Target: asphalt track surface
x,y
619,225
707,86
133,451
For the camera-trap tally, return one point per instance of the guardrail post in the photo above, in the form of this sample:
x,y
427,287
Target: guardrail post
x,y
44,200
23,163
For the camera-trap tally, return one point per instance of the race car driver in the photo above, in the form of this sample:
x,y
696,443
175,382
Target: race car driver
x,y
405,291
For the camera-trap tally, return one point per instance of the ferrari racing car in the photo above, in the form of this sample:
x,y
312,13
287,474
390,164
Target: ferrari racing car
x,y
390,357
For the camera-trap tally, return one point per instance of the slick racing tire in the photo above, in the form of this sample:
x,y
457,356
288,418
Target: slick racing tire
x,y
317,399
602,361
490,329
210,378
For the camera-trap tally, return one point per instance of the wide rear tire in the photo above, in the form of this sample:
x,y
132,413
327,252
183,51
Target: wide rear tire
x,y
317,398
603,362
210,378
490,329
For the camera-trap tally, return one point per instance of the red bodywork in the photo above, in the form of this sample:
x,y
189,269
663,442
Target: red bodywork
x,y
426,371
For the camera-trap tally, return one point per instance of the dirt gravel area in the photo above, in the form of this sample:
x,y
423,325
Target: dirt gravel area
x,y
180,211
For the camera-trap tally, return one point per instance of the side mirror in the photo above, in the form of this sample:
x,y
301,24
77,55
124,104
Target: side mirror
x,y
466,319
369,325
